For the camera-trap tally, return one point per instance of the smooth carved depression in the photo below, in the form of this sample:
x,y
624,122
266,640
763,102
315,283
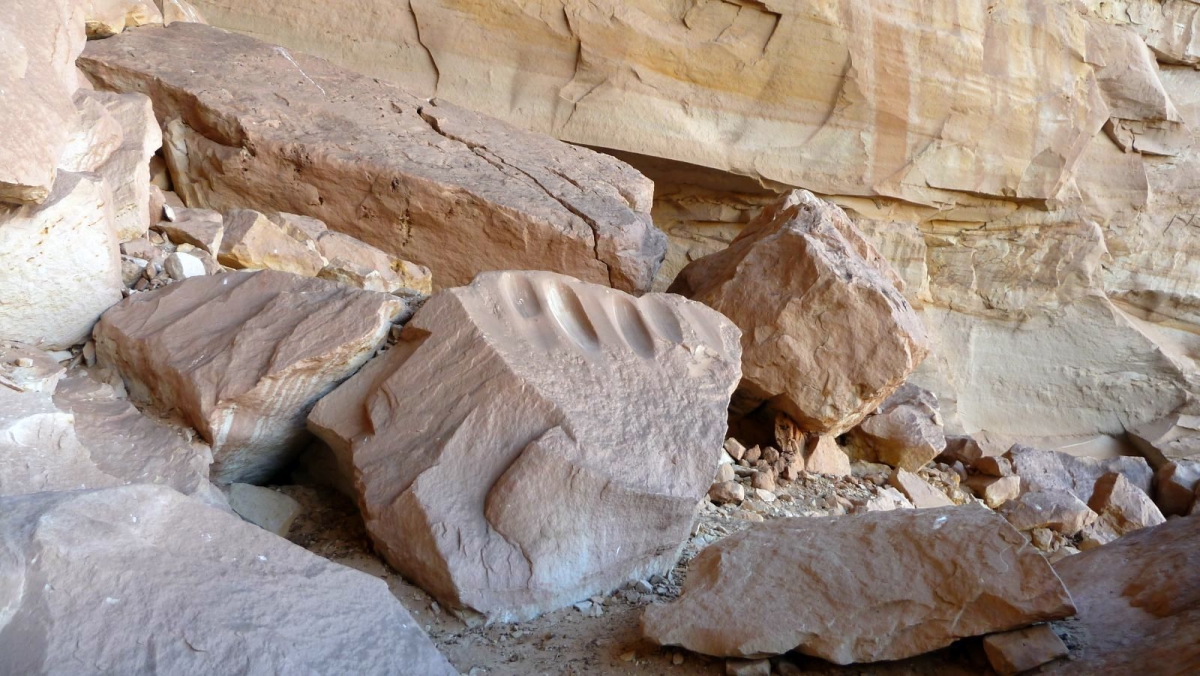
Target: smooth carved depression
x,y
577,424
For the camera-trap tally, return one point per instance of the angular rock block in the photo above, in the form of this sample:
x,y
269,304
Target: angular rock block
x,y
244,356
60,267
69,433
826,334
860,588
1052,471
461,193
141,578
905,431
533,439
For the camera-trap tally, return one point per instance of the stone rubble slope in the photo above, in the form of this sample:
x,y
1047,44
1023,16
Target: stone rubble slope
x,y
860,588
243,357
142,578
826,333
578,427
274,130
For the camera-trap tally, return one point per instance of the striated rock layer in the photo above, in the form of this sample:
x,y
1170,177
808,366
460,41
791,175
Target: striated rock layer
x,y
435,184
533,440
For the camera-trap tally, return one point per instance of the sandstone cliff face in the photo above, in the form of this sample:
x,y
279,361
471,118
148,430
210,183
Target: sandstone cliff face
x,y
1028,166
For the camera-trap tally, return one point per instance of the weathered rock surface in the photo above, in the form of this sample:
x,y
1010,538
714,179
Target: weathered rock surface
x,y
1013,652
435,184
59,263
860,588
252,241
1175,437
1122,507
826,335
75,433
201,228
1055,510
270,510
1051,471
995,491
192,589
1139,602
109,17
904,432
244,356
918,490
1175,486
127,169
527,390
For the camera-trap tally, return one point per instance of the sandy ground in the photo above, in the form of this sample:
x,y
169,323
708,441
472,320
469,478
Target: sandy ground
x,y
569,642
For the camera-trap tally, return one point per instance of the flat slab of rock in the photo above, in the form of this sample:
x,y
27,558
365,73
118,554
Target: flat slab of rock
x,y
1013,652
533,439
244,356
826,333
1139,603
434,184
860,588
192,590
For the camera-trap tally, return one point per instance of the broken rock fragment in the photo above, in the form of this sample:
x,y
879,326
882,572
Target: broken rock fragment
x,y
1122,507
1175,485
1042,470
438,185
578,426
860,588
826,334
919,491
904,432
244,356
192,589
1013,652
1056,510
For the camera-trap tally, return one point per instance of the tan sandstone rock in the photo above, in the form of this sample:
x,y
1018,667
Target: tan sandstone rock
x,y
434,184
193,590
577,425
918,490
1055,510
1051,471
59,263
1175,485
823,455
109,17
201,228
826,336
127,169
835,587
179,10
252,241
268,509
1139,602
1122,507
995,491
244,356
1013,652
1175,437
904,432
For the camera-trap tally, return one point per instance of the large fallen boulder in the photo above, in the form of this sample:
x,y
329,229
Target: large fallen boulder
x,y
533,439
126,580
1053,471
60,267
441,186
69,433
826,334
244,356
860,588
1139,603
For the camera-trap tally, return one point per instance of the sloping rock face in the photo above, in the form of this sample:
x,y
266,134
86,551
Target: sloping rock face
x,y
211,594
1026,166
860,588
67,434
826,335
435,184
1139,602
533,439
244,356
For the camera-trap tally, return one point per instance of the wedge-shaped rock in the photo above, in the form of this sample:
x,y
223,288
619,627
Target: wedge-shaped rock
x,y
826,335
60,265
440,186
1013,652
1175,486
860,588
244,356
1139,602
252,241
533,439
1122,507
192,590
904,432
60,434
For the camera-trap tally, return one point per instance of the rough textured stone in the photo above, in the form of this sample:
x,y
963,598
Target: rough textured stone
x,y
726,492
359,264
109,17
1122,507
193,590
1174,486
1175,437
823,456
179,10
860,588
127,168
268,509
434,184
244,356
1139,602
252,241
826,336
1013,652
529,389
905,431
199,227
1058,511
60,267
181,266
995,491
1042,470
918,490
